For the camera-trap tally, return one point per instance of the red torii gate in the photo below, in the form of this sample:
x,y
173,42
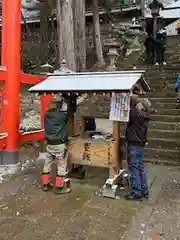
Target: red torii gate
x,y
12,77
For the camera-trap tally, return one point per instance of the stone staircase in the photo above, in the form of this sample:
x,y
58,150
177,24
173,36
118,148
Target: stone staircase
x,y
164,132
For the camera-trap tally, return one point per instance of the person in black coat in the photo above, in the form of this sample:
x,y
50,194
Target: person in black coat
x,y
160,47
150,49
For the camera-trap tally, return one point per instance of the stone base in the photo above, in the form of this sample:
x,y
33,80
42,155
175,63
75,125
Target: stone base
x,y
9,162
8,158
10,169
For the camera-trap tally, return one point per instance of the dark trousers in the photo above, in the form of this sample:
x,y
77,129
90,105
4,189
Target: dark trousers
x,y
150,56
138,178
178,31
160,55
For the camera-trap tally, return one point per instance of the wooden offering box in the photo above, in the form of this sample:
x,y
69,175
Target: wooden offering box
x,y
82,149
93,152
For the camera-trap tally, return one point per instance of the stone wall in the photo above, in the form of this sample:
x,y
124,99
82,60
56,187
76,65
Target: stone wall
x,y
97,106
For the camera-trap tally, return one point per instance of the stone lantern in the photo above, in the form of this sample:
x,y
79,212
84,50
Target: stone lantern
x,y
112,54
63,69
155,6
46,68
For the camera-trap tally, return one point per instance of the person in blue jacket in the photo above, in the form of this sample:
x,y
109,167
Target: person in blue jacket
x,y
178,88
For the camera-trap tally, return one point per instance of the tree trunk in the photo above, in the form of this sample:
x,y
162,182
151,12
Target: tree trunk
x,y
45,32
142,4
65,29
80,34
97,33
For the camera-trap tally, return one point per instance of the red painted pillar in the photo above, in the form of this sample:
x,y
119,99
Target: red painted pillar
x,y
4,33
11,105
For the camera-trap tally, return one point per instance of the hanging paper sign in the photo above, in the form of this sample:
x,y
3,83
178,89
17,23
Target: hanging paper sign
x,y
120,107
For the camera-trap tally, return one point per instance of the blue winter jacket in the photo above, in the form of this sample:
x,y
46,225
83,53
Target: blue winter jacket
x,y
178,83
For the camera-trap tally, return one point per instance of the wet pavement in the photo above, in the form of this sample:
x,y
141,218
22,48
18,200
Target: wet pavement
x,y
29,213
26,212
159,219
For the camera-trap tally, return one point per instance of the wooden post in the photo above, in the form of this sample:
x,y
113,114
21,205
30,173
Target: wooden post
x,y
71,126
65,29
71,122
117,161
80,34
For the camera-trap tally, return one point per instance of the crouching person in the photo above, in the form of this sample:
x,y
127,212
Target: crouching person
x,y
56,135
136,137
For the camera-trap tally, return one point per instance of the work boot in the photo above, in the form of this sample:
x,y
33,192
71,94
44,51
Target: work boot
x,y
145,195
62,185
46,185
132,197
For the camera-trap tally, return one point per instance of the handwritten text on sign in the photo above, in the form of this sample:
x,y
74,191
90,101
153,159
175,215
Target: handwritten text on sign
x,y
120,107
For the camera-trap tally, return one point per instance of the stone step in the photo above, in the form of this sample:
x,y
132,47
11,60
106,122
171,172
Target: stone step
x,y
160,76
168,101
166,111
162,87
164,94
162,100
161,134
157,80
155,117
159,70
159,83
172,56
169,67
169,90
171,144
160,154
158,133
106,125
170,105
169,126
164,161
162,107
165,118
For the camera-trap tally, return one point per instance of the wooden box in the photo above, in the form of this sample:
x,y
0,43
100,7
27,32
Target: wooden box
x,y
87,151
